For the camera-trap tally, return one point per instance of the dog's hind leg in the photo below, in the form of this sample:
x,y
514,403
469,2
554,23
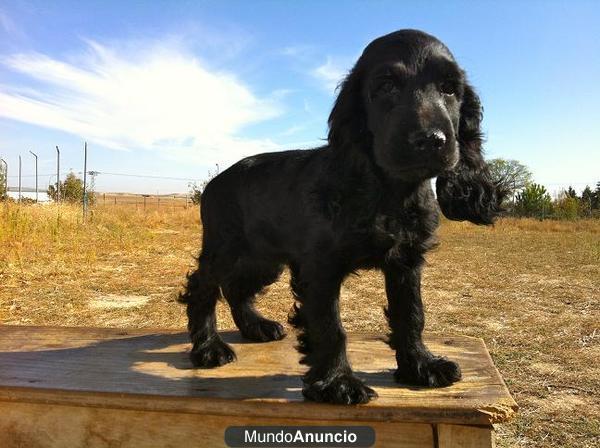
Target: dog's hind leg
x,y
248,279
200,296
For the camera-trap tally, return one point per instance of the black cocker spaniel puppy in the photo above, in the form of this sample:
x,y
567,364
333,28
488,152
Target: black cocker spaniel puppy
x,y
404,115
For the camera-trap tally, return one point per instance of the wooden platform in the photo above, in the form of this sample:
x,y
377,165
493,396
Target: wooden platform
x,y
110,387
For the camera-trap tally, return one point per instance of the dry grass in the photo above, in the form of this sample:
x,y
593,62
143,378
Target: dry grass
x,y
529,288
140,202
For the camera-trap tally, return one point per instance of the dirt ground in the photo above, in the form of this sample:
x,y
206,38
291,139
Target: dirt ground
x,y
530,289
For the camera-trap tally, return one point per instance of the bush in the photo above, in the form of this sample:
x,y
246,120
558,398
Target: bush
x,y
196,190
195,193
533,201
567,207
71,190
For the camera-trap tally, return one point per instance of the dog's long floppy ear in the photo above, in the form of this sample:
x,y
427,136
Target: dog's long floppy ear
x,y
467,192
347,121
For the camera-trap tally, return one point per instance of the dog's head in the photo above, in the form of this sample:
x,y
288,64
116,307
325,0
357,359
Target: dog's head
x,y
408,104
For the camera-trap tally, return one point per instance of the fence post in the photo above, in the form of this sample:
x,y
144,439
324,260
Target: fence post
x,y
84,203
19,179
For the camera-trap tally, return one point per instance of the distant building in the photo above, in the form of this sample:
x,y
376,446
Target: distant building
x,y
42,195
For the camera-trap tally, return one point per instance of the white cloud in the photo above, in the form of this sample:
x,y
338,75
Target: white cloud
x,y
151,97
331,73
294,129
297,50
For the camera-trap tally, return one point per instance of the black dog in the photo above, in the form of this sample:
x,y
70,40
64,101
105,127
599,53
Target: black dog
x,y
404,115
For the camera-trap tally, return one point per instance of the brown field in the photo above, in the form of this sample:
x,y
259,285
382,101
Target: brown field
x,y
530,289
142,202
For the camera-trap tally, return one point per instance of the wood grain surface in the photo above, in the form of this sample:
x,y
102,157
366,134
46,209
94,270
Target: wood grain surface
x,y
149,370
34,425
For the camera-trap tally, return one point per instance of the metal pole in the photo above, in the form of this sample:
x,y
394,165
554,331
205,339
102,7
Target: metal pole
x,y
84,179
36,174
19,178
57,174
5,176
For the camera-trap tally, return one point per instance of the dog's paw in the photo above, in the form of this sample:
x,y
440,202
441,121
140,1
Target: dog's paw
x,y
342,389
214,354
429,371
264,330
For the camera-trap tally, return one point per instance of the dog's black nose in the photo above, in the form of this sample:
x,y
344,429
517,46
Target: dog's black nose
x,y
432,140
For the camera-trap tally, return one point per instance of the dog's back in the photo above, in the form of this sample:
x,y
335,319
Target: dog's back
x,y
260,205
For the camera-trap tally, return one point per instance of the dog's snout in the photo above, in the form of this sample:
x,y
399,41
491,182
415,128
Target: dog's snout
x,y
433,140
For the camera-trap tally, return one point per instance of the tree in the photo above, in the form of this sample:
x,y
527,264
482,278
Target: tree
x,y
567,207
587,200
571,193
196,190
71,189
533,201
510,175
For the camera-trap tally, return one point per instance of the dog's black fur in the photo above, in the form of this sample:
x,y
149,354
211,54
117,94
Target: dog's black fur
x,y
404,114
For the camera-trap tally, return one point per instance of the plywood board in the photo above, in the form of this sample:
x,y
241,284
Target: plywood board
x,y
460,436
34,425
149,370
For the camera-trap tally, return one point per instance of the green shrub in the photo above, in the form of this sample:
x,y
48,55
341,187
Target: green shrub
x,y
533,201
567,207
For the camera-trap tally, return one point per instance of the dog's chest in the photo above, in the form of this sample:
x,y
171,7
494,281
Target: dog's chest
x,y
388,231
402,230
387,237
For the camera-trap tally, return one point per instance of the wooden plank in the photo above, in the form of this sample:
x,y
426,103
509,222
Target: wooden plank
x,y
461,436
149,370
35,425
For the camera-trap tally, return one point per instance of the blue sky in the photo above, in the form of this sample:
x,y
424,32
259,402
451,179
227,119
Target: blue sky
x,y
171,88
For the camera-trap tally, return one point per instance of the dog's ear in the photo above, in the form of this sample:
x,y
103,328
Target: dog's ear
x,y
347,121
467,192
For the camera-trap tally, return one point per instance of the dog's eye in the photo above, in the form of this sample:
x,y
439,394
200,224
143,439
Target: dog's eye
x,y
447,88
386,86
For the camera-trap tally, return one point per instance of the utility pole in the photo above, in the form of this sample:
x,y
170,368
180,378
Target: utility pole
x,y
84,179
5,176
19,178
36,174
57,174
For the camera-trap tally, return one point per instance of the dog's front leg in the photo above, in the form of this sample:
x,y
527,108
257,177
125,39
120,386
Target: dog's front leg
x,y
416,364
322,340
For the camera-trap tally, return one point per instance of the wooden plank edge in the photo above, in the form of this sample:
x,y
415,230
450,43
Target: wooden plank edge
x,y
255,408
500,412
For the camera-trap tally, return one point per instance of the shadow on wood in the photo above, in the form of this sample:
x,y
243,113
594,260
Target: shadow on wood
x,y
86,370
